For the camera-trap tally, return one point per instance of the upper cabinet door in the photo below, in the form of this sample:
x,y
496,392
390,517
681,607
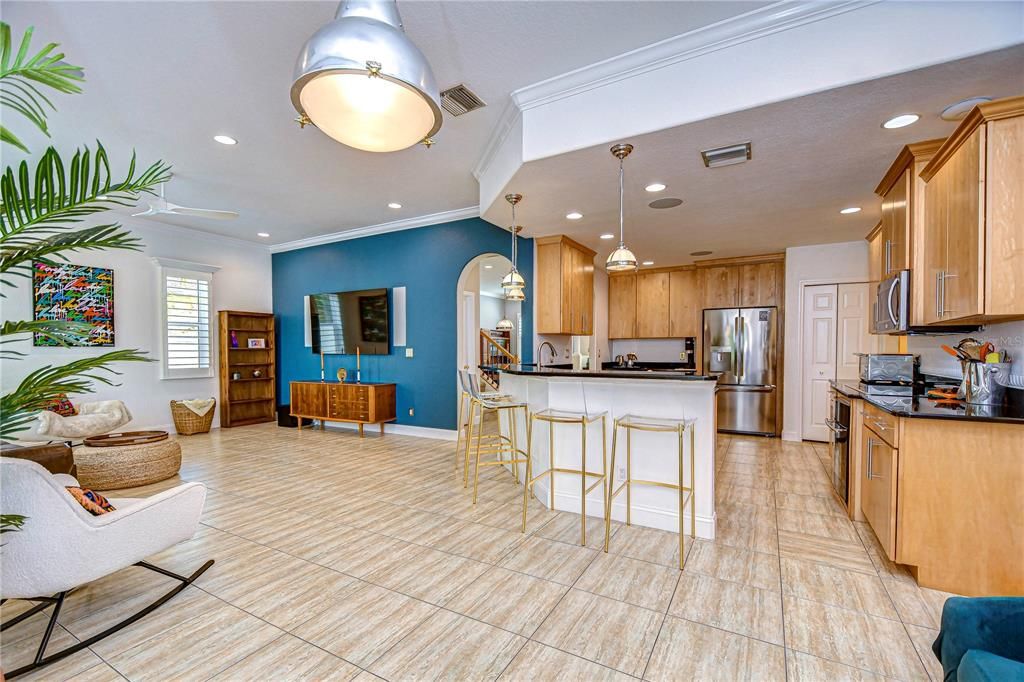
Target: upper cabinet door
x,y
932,243
876,254
652,305
720,286
622,307
587,277
758,285
1004,207
896,225
963,287
684,304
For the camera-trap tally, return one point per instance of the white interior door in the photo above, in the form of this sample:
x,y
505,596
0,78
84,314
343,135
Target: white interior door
x,y
470,332
852,324
819,357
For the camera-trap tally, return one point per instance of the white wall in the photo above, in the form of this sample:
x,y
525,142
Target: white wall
x,y
242,283
649,350
491,311
820,264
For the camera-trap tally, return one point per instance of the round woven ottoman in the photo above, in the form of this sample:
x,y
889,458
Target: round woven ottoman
x,y
127,466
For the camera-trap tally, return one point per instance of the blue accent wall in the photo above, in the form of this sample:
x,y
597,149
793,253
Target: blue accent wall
x,y
428,262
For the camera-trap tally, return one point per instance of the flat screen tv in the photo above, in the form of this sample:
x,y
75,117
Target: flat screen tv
x,y
343,321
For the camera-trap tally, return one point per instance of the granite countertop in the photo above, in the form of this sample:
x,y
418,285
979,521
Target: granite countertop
x,y
671,374
1012,412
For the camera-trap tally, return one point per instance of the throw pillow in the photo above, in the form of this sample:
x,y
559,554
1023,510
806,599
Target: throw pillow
x,y
62,406
92,501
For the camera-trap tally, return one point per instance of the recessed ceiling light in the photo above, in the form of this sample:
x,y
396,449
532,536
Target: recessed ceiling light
x,y
394,204
263,234
488,267
574,215
850,209
648,262
666,203
608,236
901,121
701,253
955,112
654,187
225,139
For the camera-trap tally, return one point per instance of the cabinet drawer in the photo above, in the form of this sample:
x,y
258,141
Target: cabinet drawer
x,y
885,425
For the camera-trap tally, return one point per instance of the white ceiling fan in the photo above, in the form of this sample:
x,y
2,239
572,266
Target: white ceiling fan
x,y
160,206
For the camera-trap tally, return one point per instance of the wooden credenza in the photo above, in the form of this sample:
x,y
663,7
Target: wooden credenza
x,y
336,402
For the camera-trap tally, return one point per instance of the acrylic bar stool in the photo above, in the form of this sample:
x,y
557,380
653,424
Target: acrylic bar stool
x,y
583,420
466,380
680,427
479,406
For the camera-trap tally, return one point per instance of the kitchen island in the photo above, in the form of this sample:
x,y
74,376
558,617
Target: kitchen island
x,y
656,393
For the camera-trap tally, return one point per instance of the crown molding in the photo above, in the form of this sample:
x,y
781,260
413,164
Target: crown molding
x,y
779,16
382,228
510,115
176,264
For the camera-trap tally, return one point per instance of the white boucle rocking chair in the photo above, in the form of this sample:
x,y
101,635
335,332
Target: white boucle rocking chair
x,y
62,546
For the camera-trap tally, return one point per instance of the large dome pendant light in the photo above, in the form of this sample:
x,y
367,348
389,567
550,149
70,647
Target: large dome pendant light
x,y
361,81
621,259
513,283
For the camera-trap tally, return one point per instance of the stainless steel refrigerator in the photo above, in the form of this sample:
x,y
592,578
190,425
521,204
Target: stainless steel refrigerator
x,y
741,346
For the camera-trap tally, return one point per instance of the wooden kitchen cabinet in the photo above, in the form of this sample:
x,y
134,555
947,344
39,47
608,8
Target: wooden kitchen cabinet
x,y
974,220
684,304
622,306
652,305
878,487
565,286
759,285
721,286
876,258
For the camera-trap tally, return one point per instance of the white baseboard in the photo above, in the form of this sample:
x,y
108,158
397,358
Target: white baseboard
x,y
791,436
401,429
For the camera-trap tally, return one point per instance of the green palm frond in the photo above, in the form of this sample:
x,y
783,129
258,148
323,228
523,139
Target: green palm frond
x,y
19,408
61,332
59,194
18,259
20,76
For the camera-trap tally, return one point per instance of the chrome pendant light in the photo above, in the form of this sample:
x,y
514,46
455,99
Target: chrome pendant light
x,y
504,324
361,81
513,283
621,259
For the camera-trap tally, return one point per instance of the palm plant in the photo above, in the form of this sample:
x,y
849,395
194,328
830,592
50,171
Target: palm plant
x,y
41,205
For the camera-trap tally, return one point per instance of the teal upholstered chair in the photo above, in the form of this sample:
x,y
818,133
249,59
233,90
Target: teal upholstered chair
x,y
982,639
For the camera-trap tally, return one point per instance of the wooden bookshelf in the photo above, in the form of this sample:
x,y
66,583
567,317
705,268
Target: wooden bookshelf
x,y
250,399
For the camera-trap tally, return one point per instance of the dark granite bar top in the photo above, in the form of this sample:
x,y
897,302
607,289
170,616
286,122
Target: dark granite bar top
x,y
675,374
1012,412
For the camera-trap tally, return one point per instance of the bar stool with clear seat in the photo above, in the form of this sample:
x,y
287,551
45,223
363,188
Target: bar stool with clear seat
x,y
680,427
498,444
583,420
466,380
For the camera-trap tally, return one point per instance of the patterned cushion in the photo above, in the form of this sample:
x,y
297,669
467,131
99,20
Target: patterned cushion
x,y
62,406
92,501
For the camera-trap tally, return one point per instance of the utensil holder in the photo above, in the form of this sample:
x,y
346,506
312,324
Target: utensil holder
x,y
984,383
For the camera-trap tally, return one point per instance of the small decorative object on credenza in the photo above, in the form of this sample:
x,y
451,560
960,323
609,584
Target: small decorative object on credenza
x,y
342,375
247,368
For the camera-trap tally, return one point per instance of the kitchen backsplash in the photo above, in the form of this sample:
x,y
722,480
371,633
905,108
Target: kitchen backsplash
x,y
1008,336
649,350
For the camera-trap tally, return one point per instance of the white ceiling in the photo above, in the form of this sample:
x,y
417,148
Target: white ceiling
x,y
812,156
164,77
490,277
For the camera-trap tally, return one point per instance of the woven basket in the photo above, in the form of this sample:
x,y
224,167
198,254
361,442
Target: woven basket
x,y
128,466
187,422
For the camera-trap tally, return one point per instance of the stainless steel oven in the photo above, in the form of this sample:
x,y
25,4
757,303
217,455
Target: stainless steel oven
x,y
839,439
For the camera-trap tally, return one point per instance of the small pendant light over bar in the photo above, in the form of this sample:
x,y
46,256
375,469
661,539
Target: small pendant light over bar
x,y
621,259
361,80
513,283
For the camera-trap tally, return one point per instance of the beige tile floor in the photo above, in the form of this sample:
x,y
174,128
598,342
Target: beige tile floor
x,y
339,558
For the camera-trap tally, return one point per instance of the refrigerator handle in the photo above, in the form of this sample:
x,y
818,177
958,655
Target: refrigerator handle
x,y
741,344
738,354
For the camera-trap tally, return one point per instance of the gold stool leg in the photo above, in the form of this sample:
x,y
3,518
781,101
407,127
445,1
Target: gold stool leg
x,y
682,521
526,481
513,428
611,489
629,475
476,470
469,442
583,484
458,425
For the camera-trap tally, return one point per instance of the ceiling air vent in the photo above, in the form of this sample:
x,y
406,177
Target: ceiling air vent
x,y
460,100
726,156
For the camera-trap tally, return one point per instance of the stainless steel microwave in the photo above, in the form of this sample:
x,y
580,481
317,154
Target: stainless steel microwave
x,y
890,311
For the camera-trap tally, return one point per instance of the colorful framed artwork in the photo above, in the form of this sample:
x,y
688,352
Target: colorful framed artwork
x,y
257,343
74,293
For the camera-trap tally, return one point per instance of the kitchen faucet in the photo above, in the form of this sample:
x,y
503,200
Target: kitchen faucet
x,y
540,352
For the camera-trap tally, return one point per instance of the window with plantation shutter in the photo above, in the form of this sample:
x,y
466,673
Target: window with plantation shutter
x,y
187,323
